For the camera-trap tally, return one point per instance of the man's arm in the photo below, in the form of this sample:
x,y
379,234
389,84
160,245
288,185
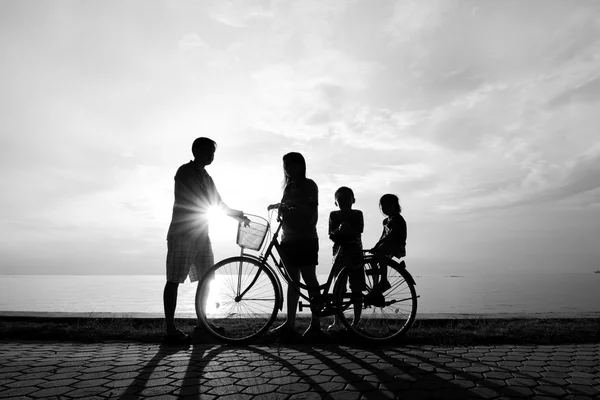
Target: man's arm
x,y
235,214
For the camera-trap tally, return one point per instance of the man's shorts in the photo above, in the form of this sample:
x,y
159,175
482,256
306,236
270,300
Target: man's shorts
x,y
188,257
300,252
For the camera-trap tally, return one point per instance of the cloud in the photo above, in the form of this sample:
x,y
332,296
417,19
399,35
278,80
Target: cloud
x,y
413,18
191,41
580,176
588,92
296,100
456,106
240,13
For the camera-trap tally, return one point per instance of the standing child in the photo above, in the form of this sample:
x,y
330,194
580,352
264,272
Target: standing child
x,y
345,229
393,238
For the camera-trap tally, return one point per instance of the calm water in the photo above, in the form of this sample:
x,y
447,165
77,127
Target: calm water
x,y
476,294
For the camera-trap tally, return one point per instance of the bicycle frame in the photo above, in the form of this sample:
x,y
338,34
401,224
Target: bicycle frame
x,y
269,255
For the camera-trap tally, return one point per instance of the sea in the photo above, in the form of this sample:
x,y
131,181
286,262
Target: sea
x,y
141,295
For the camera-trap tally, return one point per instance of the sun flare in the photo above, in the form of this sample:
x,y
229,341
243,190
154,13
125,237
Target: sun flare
x,y
221,226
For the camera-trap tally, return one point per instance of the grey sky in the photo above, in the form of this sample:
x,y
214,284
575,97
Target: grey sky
x,y
481,116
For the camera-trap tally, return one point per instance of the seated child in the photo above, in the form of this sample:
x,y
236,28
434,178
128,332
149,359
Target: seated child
x,y
393,238
345,229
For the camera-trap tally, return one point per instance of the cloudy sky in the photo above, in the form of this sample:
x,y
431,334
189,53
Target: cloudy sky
x,y
481,115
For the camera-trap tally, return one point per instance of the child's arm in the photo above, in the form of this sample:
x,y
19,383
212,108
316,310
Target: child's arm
x,y
353,227
332,228
393,238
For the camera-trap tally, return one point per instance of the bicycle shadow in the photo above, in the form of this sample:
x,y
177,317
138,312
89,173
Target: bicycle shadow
x,y
378,373
450,372
322,370
492,385
376,380
327,369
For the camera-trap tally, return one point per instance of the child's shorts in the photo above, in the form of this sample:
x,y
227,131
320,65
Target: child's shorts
x,y
357,276
300,252
188,257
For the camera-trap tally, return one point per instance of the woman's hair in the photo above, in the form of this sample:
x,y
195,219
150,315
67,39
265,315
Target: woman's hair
x,y
391,199
293,158
202,145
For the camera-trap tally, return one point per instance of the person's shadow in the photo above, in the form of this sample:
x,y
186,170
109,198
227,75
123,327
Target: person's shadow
x,y
375,372
140,381
323,369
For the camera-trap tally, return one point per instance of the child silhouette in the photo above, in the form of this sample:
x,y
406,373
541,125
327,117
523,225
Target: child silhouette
x,y
392,242
345,229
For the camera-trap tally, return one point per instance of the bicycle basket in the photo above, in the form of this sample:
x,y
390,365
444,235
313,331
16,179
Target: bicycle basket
x,y
252,236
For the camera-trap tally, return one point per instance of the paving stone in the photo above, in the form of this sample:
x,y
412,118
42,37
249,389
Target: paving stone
x,y
164,397
497,375
155,391
90,383
335,386
331,396
551,391
7,375
25,383
581,381
495,383
478,368
237,396
271,396
525,382
520,392
582,390
463,383
17,391
136,370
51,392
64,375
89,392
260,389
483,392
580,374
556,368
57,383
448,394
296,388
225,390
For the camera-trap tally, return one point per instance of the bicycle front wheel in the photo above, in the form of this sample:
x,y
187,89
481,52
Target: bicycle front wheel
x,y
238,300
373,315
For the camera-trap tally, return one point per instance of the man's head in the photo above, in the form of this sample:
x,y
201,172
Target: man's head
x,y
203,150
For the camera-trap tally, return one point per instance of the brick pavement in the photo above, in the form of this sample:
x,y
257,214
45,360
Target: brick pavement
x,y
40,370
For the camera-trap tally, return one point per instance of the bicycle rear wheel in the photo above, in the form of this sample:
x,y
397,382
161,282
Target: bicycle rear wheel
x,y
381,316
239,300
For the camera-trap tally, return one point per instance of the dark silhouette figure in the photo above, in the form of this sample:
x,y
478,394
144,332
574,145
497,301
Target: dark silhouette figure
x,y
189,250
392,242
299,240
345,229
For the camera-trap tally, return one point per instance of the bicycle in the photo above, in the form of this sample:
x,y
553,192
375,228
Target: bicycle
x,y
244,293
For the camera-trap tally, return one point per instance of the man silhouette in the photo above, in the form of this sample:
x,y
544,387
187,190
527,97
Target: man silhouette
x,y
189,251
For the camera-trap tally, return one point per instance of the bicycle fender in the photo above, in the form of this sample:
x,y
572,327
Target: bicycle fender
x,y
402,265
